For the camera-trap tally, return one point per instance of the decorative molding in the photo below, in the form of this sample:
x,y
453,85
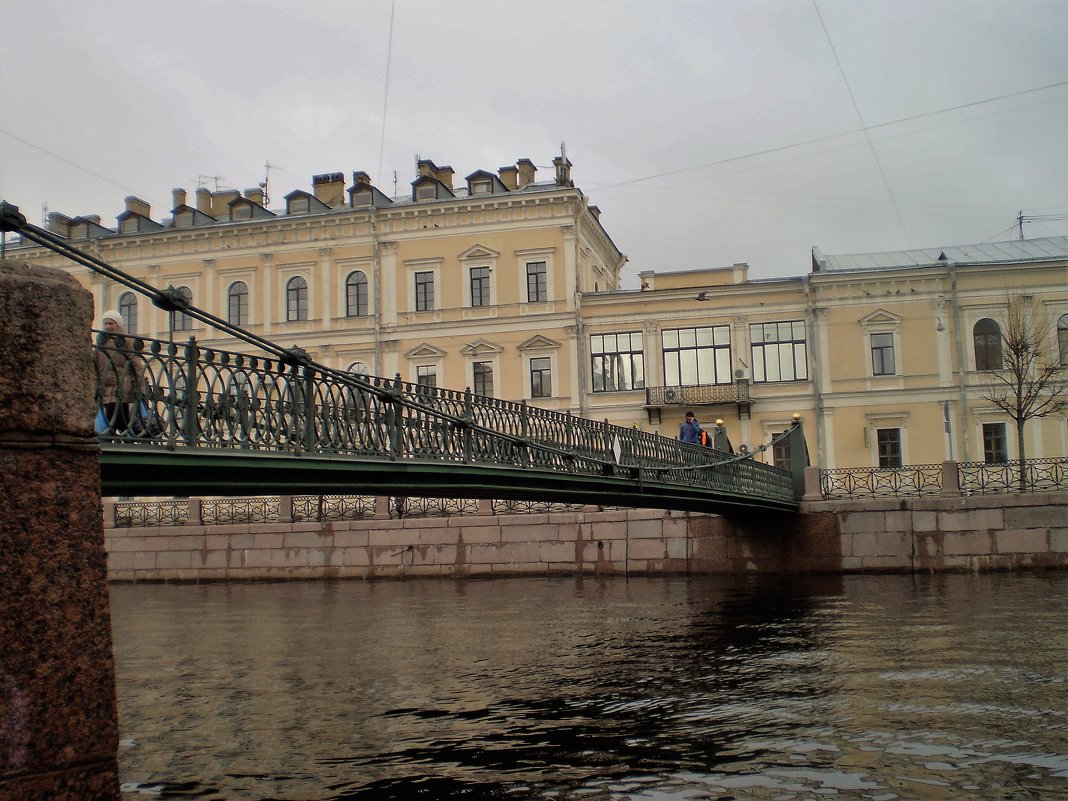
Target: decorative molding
x,y
539,342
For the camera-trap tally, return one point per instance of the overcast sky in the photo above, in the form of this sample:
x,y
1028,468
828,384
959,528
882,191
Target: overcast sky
x,y
707,132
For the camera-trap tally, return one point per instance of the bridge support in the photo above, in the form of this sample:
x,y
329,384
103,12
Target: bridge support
x,y
58,722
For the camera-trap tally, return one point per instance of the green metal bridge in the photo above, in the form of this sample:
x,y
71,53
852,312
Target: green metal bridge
x,y
178,419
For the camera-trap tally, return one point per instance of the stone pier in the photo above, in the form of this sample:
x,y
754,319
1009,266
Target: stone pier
x,y
58,721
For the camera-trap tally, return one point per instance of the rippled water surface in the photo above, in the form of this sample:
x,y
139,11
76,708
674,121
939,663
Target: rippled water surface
x,y
890,687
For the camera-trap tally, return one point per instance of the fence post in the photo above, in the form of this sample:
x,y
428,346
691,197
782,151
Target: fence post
x,y
950,479
798,456
191,401
309,408
469,416
813,490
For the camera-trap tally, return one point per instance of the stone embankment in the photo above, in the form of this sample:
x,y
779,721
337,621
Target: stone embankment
x,y
898,535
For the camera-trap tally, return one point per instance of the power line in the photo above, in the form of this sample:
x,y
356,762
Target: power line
x,y
828,137
867,133
385,92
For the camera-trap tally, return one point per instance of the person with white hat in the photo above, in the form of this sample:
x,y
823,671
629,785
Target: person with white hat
x,y
119,371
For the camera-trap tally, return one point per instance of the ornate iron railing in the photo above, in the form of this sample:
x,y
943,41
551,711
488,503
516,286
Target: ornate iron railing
x,y
533,507
698,395
881,482
981,478
147,513
333,507
185,396
219,511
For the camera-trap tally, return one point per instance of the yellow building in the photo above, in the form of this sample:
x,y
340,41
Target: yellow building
x,y
511,286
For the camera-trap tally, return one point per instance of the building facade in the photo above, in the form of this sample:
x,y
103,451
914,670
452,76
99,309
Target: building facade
x,y
511,286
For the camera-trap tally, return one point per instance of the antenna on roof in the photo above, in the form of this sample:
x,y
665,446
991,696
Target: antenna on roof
x,y
203,179
267,167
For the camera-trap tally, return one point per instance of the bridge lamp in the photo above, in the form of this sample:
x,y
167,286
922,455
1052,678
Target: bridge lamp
x,y
797,418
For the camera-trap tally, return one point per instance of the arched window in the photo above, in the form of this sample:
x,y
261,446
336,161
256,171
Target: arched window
x,y
180,321
237,303
356,295
986,336
358,368
128,311
296,299
1062,339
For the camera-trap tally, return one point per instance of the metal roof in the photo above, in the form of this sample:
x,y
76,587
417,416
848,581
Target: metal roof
x,y
1019,250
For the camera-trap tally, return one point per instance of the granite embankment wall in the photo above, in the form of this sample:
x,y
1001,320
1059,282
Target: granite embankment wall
x,y
900,535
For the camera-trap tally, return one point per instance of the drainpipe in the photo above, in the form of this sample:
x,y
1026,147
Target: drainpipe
x,y
580,355
961,382
817,385
376,271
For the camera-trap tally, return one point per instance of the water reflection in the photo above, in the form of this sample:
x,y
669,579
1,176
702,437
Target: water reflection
x,y
863,687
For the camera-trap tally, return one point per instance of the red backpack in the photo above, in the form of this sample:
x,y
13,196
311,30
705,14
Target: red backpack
x,y
704,439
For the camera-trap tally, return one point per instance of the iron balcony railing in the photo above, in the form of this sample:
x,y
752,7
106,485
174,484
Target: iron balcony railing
x,y
880,482
181,396
698,395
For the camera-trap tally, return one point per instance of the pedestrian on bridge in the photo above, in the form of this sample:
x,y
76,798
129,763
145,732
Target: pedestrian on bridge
x,y
120,371
690,430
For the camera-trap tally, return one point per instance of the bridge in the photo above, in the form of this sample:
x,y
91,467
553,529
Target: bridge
x,y
179,419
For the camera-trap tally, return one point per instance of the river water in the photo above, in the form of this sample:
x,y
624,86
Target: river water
x,y
877,687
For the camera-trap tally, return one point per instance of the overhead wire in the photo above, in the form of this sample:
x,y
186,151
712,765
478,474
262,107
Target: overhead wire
x,y
385,92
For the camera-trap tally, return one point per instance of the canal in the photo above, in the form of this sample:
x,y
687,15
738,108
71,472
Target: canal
x,y
857,687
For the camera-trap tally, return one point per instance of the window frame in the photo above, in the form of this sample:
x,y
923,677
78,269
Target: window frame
x,y
544,373
988,344
128,311
484,297
878,365
540,293
720,359
797,349
297,299
357,293
179,320
889,447
481,376
991,441
605,363
242,316
1062,339
424,301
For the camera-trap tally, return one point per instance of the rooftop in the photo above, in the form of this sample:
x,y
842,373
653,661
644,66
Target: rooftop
x,y
1018,250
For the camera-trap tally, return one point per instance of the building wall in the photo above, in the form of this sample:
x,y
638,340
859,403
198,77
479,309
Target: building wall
x,y
926,309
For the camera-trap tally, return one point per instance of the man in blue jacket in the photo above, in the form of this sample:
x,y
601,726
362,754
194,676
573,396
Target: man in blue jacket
x,y
690,430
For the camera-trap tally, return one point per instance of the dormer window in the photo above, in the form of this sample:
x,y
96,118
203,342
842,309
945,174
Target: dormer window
x,y
79,231
299,205
241,211
361,198
183,219
426,191
129,225
482,186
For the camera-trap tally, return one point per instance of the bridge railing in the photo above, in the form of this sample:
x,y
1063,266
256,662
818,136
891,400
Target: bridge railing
x,y
175,395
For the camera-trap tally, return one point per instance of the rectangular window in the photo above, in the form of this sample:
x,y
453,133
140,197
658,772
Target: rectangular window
x,y
541,377
882,354
480,286
618,362
537,288
779,351
426,375
424,291
481,186
697,356
995,450
888,441
780,452
483,378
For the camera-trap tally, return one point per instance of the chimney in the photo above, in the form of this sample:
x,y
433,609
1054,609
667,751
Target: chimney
x,y
360,178
138,206
220,202
57,223
329,188
445,176
255,195
526,172
204,199
509,176
563,171
177,198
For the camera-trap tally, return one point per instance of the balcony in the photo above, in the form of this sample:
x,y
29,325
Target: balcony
x,y
700,395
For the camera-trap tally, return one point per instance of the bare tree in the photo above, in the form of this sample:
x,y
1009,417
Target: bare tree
x,y
1028,384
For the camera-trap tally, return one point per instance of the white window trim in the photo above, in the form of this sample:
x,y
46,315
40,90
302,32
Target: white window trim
x,y
524,257
365,266
437,364
468,267
899,420
883,322
422,266
528,392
